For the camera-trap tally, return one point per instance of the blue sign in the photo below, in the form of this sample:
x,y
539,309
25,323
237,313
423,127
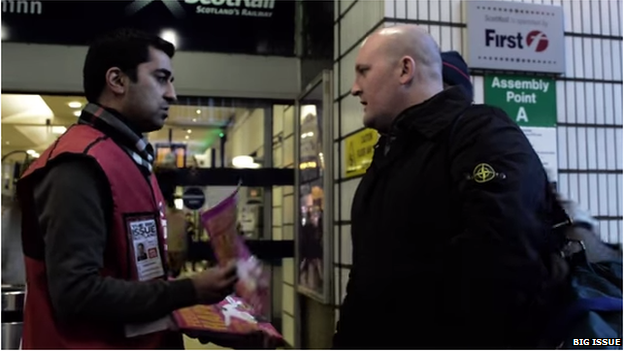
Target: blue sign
x,y
194,198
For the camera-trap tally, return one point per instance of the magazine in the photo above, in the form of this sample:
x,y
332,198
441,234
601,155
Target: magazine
x,y
230,323
239,321
228,245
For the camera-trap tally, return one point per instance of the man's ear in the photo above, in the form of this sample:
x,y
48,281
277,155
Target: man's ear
x,y
116,80
408,69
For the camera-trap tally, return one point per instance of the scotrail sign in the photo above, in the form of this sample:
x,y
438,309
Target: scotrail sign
x,y
515,36
263,27
249,8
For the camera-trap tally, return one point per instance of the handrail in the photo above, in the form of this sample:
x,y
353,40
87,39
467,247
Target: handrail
x,y
15,152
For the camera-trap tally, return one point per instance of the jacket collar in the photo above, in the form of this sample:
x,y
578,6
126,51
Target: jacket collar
x,y
113,124
432,116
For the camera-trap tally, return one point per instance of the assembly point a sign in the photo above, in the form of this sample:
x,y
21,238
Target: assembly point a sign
x,y
531,101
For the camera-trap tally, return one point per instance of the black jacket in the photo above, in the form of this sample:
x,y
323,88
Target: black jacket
x,y
449,236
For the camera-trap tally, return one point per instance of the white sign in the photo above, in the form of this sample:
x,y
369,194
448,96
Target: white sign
x,y
515,36
144,233
544,142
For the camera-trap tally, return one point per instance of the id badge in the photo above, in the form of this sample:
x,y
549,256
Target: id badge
x,y
143,230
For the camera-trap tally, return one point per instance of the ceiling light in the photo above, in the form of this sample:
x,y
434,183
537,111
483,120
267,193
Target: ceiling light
x,y
75,104
77,113
189,131
29,106
198,112
170,36
58,130
194,119
7,143
186,137
31,152
244,162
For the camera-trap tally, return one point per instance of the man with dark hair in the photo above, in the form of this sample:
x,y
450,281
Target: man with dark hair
x,y
118,55
92,198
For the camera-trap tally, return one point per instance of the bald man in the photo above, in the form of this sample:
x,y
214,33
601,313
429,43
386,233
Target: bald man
x,y
451,221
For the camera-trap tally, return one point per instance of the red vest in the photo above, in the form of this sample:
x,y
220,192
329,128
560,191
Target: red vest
x,y
133,197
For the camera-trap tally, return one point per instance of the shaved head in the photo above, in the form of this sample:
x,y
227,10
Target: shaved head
x,y
396,67
414,42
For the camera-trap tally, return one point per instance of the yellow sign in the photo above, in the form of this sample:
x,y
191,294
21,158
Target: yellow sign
x,y
483,173
359,149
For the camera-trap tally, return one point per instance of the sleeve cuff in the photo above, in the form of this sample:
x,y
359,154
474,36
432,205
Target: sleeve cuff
x,y
182,293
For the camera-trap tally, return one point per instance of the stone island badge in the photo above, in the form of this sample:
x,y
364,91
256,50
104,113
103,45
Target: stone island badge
x,y
484,173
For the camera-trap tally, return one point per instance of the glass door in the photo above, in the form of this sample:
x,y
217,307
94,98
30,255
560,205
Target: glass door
x,y
313,189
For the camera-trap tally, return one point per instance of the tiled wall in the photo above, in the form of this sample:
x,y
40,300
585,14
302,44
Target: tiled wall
x,y
589,101
283,207
354,21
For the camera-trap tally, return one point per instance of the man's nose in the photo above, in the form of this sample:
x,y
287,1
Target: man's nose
x,y
355,90
170,94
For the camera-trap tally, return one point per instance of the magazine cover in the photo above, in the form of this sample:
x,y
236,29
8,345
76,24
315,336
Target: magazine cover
x,y
228,245
239,320
229,323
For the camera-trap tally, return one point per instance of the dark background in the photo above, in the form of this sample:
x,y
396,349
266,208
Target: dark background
x,y
78,22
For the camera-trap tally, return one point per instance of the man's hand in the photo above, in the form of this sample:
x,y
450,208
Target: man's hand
x,y
214,284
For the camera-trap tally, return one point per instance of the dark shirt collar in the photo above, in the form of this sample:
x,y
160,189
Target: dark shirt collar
x,y
432,116
117,127
125,121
